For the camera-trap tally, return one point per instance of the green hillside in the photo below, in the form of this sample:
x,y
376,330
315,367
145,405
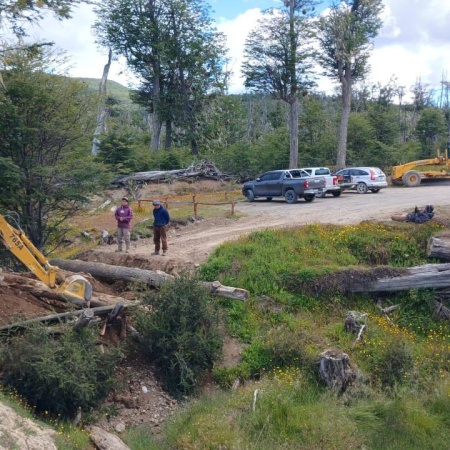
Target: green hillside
x,y
116,90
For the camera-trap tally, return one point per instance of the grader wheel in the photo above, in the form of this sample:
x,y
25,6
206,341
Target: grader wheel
x,y
411,178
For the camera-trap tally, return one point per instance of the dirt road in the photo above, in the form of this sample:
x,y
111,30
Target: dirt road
x,y
195,242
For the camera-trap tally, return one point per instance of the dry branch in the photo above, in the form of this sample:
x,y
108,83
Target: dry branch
x,y
99,311
204,169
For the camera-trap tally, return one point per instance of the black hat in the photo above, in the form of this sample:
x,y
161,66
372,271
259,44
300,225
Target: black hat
x,y
125,198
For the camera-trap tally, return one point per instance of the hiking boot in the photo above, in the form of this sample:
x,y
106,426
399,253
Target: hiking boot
x,y
119,250
155,253
164,252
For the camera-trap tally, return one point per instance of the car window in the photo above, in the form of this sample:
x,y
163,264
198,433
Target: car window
x,y
322,172
266,176
342,172
297,173
309,171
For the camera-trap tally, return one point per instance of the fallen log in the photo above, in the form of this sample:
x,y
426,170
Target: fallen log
x,y
439,247
426,276
149,277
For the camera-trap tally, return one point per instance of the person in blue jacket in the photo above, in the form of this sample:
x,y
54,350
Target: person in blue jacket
x,y
161,220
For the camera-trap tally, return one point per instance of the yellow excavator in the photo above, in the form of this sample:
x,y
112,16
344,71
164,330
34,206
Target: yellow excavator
x,y
75,288
405,174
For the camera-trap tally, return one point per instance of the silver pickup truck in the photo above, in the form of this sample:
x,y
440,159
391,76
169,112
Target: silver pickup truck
x,y
291,184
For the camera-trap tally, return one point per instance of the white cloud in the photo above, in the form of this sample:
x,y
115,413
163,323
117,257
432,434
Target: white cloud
x,y
236,31
76,38
413,42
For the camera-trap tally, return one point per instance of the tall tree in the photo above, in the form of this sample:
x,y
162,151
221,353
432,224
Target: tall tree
x,y
346,36
277,59
173,47
42,118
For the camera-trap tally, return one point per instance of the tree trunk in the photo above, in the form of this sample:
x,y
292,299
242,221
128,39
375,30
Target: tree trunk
x,y
439,247
102,111
343,126
168,140
156,121
335,370
293,130
150,278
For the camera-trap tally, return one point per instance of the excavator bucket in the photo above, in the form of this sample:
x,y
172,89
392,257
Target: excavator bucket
x,y
76,289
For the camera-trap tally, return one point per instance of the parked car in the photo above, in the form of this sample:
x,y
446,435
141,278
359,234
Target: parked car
x,y
290,184
362,179
332,184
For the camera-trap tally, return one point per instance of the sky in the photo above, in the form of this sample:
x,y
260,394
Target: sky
x,y
414,42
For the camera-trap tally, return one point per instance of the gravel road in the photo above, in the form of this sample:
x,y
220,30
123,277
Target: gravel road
x,y
196,242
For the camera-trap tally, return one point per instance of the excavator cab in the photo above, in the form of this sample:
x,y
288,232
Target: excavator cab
x,y
75,289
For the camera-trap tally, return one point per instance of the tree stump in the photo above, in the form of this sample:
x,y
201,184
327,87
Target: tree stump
x,y
335,370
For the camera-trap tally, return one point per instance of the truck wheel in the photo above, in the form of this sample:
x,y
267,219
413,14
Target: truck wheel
x,y
336,193
250,195
361,188
411,178
269,199
290,196
309,198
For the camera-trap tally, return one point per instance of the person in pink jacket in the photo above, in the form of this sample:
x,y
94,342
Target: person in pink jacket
x,y
123,215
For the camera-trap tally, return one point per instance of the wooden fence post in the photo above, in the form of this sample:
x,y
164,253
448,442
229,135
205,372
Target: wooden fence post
x,y
232,208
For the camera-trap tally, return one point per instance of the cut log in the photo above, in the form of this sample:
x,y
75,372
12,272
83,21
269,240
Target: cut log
x,y
426,276
439,247
148,277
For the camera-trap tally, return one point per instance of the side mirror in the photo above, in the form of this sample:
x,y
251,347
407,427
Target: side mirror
x,y
258,179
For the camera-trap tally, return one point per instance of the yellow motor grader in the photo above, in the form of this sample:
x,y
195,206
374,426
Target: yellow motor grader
x,y
407,175
75,288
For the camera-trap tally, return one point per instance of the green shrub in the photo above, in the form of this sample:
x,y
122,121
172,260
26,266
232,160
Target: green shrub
x,y
393,364
181,333
58,375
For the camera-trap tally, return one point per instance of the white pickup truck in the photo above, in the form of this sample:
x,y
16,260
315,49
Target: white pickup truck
x,y
332,186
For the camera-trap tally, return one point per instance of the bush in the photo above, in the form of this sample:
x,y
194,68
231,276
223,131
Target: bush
x,y
58,376
181,333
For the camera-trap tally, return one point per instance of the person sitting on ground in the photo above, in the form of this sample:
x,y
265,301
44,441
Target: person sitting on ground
x,y
161,220
123,215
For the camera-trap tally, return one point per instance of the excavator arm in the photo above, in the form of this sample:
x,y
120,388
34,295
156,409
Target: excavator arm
x,y
74,289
